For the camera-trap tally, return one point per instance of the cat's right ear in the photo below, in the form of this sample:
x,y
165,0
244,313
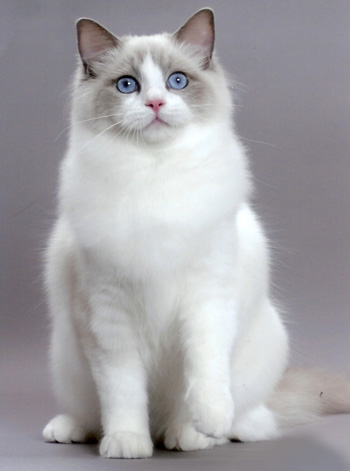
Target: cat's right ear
x,y
93,42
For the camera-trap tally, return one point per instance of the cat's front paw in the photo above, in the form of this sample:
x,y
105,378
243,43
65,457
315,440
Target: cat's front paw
x,y
126,445
65,428
212,411
184,437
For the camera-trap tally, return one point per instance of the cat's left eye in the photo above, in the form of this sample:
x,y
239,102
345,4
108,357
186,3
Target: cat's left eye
x,y
127,85
177,81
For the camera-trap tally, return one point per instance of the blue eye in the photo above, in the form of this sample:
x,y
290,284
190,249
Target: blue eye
x,y
177,81
127,85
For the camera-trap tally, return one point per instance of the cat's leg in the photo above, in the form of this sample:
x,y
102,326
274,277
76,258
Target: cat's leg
x,y
121,382
208,335
172,425
258,363
73,384
74,388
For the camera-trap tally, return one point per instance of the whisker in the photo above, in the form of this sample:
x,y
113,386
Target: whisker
x,y
98,135
257,142
84,121
201,105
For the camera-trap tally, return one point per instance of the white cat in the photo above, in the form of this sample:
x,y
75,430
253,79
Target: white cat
x,y
163,330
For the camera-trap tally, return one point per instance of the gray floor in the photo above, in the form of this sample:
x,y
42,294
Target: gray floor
x,y
290,62
323,446
27,404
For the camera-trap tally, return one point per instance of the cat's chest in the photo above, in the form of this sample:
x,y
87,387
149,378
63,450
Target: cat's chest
x,y
141,209
144,217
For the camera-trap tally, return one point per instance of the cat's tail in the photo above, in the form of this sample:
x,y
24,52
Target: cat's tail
x,y
305,394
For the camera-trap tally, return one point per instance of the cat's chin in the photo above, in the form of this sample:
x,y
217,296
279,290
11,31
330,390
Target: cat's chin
x,y
159,131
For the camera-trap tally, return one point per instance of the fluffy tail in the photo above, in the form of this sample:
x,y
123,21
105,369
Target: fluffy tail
x,y
305,394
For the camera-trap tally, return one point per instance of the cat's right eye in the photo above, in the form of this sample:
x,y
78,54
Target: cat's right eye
x,y
127,85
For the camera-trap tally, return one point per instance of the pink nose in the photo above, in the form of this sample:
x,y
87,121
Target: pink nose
x,y
155,104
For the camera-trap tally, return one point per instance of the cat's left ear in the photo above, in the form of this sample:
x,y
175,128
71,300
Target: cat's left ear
x,y
93,41
199,31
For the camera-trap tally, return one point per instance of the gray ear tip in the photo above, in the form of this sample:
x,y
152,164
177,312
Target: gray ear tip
x,y
81,21
79,24
208,11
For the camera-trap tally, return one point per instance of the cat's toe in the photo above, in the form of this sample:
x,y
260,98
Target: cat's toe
x,y
65,429
184,437
126,445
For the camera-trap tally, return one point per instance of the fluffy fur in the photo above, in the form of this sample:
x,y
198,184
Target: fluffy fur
x,y
163,330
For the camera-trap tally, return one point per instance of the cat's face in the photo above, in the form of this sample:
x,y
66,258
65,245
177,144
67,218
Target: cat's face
x,y
148,89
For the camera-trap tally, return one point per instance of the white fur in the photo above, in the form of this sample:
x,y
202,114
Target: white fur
x,y
157,274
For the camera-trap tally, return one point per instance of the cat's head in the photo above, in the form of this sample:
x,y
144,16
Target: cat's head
x,y
149,88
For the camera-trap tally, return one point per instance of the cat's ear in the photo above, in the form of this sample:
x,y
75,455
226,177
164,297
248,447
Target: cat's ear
x,y
200,32
93,41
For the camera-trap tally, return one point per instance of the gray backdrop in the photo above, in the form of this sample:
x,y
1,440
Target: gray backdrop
x,y
290,61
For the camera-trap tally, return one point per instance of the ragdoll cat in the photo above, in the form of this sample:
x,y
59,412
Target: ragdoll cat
x,y
163,330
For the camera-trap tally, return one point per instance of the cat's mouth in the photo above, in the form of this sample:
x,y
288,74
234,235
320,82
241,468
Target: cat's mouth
x,y
157,121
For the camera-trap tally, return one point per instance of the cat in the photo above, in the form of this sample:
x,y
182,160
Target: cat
x,y
157,270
